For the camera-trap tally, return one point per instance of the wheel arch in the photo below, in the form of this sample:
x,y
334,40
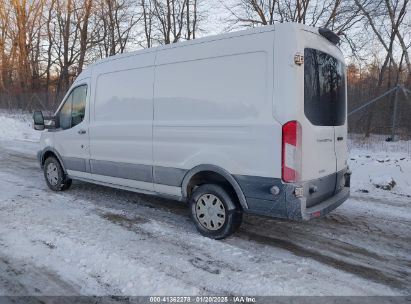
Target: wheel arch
x,y
204,169
49,151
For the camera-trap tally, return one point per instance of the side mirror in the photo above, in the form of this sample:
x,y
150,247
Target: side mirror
x,y
38,121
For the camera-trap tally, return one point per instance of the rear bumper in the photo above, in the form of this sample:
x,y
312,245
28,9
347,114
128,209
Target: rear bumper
x,y
302,208
327,206
297,207
296,201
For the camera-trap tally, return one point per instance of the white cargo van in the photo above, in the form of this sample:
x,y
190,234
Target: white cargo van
x,y
252,121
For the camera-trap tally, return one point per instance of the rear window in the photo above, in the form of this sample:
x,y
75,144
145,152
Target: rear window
x,y
324,89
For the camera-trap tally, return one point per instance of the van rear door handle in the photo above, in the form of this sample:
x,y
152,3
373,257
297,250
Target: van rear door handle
x,y
339,138
81,132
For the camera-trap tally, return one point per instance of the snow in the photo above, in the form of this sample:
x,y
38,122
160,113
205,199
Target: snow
x,y
381,166
18,127
94,240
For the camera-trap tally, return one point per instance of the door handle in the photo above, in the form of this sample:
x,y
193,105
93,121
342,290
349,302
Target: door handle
x,y
339,138
81,132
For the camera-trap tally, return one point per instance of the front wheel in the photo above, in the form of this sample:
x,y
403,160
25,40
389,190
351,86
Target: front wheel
x,y
214,211
55,177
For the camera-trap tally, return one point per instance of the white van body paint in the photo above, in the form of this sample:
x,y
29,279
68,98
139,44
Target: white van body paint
x,y
153,115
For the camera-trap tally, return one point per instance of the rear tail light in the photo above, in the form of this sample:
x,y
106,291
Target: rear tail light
x,y
291,152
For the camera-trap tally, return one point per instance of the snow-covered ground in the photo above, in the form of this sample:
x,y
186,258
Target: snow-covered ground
x,y
94,240
17,126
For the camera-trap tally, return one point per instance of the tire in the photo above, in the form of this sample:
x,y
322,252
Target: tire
x,y
54,174
214,211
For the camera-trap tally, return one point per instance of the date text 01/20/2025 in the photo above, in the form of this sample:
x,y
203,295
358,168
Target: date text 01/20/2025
x,y
205,299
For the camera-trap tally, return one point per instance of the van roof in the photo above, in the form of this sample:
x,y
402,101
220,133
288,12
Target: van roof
x,y
87,72
256,30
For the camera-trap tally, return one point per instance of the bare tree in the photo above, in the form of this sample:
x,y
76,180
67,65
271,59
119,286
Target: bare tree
x,y
170,18
192,19
26,37
337,15
6,48
396,22
83,24
252,12
72,39
49,34
45,44
147,9
386,32
118,19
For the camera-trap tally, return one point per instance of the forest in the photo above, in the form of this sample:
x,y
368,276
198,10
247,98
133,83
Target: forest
x,y
45,44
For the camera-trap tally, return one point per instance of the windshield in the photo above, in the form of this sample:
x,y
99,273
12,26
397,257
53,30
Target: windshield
x,y
324,89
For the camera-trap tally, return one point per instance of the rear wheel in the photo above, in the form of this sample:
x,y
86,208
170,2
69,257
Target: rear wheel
x,y
54,174
214,211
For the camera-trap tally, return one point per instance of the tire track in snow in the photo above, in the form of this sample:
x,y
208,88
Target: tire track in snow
x,y
366,272
296,238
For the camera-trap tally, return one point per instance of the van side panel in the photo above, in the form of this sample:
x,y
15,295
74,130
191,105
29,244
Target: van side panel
x,y
121,120
213,105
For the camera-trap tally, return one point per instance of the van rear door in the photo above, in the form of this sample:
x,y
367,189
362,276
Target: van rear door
x,y
324,142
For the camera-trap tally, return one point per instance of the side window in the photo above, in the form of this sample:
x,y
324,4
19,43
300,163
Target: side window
x,y
79,105
73,111
65,113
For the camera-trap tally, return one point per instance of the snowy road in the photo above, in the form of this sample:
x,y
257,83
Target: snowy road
x,y
94,240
